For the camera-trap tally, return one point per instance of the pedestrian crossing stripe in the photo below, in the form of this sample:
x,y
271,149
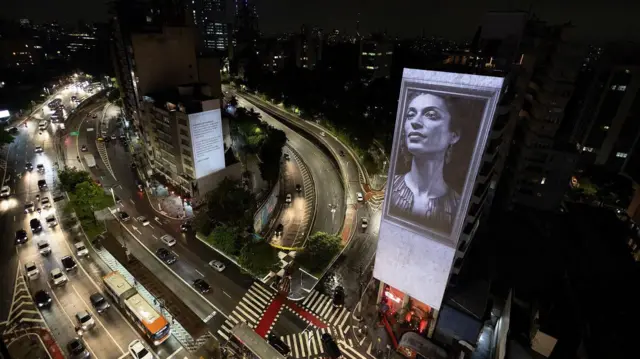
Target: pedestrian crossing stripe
x,y
322,307
308,344
249,310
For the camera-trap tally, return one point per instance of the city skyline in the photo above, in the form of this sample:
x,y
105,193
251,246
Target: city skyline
x,y
438,18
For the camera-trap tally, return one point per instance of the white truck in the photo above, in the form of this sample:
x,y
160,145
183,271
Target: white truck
x,y
91,161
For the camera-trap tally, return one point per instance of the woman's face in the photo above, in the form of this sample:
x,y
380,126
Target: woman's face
x,y
427,125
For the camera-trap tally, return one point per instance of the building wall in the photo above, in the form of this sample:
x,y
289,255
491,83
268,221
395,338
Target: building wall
x,y
165,59
374,58
209,73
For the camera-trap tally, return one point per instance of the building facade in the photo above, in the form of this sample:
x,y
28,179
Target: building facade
x,y
214,20
374,57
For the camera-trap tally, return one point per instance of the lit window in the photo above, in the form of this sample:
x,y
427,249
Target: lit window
x,y
605,128
614,87
621,155
587,149
543,180
622,88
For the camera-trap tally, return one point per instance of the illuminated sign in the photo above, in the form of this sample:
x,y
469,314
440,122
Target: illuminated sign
x,y
4,113
207,142
442,124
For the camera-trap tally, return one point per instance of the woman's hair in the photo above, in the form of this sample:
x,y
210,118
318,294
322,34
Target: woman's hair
x,y
462,123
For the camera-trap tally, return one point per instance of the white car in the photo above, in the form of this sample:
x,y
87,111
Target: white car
x,y
5,191
168,240
45,202
143,220
85,320
364,223
44,248
51,221
217,265
322,133
81,249
32,270
138,350
58,277
288,198
360,197
39,149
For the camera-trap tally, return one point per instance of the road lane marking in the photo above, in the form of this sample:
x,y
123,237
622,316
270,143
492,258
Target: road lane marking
x,y
197,271
132,201
95,316
67,315
150,226
136,229
174,353
225,293
154,236
176,254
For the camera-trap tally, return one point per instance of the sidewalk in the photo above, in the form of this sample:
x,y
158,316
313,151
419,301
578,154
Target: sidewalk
x,y
32,343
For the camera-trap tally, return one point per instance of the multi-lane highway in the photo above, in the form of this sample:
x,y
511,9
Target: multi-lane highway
x,y
112,333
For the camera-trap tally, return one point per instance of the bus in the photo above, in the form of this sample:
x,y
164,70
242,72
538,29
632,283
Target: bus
x,y
251,344
151,323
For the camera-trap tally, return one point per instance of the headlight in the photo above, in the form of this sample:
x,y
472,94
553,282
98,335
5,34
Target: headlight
x,y
40,304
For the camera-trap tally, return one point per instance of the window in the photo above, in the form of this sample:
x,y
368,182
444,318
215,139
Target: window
x,y
622,88
613,87
605,128
587,149
184,133
621,155
186,143
543,180
187,153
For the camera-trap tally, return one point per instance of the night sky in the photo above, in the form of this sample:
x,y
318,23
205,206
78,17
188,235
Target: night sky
x,y
456,19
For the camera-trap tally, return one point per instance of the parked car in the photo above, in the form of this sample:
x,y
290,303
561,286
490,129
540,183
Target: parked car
x,y
217,265
77,350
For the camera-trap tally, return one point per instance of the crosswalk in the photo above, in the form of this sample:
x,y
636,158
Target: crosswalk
x,y
308,344
322,306
249,310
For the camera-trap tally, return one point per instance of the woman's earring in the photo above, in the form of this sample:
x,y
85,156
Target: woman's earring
x,y
447,156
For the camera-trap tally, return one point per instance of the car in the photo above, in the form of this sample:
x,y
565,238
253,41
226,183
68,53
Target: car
x,y
364,223
100,139
202,286
45,202
114,137
95,115
168,240
51,221
278,344
124,216
338,297
133,166
58,196
35,225
39,149
330,347
322,134
69,263
85,320
21,236
279,229
32,270
298,188
58,278
287,156
106,138
165,255
99,303
81,249
341,153
288,198
217,265
40,167
360,197
42,298
5,191
44,248
138,350
143,220
77,350
84,148
29,207
28,166
42,185
185,227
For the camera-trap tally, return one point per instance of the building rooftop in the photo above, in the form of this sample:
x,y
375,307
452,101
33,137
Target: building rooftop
x,y
186,98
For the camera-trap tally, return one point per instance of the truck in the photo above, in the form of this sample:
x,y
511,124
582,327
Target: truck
x,y
91,161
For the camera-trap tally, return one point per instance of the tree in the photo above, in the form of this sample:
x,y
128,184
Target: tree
x,y
231,204
71,177
258,257
320,250
225,238
5,137
271,155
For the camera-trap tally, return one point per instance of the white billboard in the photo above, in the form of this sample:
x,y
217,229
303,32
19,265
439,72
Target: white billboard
x,y
4,114
207,142
442,125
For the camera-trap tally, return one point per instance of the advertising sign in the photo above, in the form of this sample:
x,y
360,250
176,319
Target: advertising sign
x,y
262,216
207,142
4,114
442,125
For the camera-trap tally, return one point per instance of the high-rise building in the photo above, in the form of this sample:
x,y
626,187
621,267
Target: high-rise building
x,y
374,57
307,47
214,20
607,126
